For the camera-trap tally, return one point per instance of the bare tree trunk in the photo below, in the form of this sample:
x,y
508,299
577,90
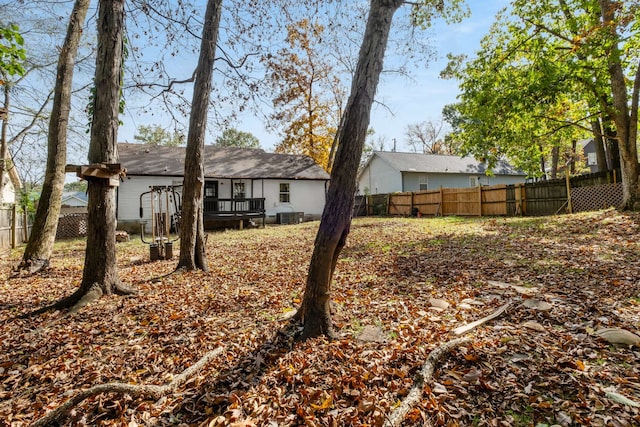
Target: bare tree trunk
x,y
598,142
38,251
192,244
624,117
555,159
4,144
315,310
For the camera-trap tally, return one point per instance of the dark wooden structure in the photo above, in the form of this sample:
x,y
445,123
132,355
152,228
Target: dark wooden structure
x,y
238,210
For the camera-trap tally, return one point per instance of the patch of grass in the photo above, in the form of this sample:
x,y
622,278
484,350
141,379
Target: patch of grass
x,y
522,419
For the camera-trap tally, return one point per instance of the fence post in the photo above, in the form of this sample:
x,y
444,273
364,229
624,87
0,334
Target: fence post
x,y
14,225
25,225
568,182
480,200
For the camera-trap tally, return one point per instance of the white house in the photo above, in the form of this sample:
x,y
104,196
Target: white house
x,y
240,184
390,172
11,184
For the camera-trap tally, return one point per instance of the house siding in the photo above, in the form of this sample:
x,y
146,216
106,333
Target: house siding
x,y
8,191
307,196
411,180
379,178
128,205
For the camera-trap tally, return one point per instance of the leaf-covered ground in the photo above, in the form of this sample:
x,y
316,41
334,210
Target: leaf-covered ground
x,y
401,287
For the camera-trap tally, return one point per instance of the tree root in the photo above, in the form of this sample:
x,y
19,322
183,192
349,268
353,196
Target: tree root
x,y
80,298
465,328
425,374
151,391
29,267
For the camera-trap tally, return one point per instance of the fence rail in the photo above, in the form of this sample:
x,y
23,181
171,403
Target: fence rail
x,y
587,192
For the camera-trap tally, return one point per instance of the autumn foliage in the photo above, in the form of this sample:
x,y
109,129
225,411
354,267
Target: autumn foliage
x,y
401,287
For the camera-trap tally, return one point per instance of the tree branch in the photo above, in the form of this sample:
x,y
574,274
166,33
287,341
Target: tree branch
x,y
465,328
425,374
153,391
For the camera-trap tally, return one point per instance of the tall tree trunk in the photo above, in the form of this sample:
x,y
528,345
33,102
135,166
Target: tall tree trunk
x,y
192,243
555,159
315,310
624,117
4,144
598,142
100,274
38,251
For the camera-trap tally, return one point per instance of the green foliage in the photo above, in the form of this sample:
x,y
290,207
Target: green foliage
x,y
28,198
12,54
76,186
232,137
157,135
538,81
424,12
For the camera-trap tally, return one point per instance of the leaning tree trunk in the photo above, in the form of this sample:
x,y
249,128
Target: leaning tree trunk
x,y
315,310
38,251
624,117
192,244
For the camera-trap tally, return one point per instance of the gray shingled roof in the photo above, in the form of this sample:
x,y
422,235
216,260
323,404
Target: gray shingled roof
x,y
219,162
437,163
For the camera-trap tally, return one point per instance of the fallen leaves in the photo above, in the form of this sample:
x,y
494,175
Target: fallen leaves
x,y
406,282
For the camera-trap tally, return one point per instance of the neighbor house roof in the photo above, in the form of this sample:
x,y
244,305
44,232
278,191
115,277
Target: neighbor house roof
x,y
438,163
74,198
219,162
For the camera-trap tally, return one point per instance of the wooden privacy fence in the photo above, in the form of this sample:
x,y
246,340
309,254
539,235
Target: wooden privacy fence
x,y
14,227
583,193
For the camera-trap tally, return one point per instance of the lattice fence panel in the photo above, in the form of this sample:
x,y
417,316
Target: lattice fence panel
x,y
72,226
596,197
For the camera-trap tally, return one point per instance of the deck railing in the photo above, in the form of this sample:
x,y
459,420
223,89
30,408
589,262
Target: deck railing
x,y
245,207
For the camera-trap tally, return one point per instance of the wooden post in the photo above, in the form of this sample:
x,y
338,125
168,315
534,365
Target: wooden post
x,y
411,210
14,225
568,183
479,200
25,225
519,189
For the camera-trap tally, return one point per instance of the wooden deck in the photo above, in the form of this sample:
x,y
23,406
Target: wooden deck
x,y
234,209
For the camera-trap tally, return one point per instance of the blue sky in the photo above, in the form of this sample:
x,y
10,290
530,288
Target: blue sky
x,y
410,100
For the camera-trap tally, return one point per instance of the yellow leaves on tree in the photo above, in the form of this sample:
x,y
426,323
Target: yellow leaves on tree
x,y
308,95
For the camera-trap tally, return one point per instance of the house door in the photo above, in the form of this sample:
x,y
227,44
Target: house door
x,y
210,196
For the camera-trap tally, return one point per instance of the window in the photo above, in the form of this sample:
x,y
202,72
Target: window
x,y
592,159
285,195
424,183
474,181
238,190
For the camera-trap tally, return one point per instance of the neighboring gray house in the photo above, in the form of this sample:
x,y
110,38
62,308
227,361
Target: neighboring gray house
x,y
390,172
589,152
240,184
74,202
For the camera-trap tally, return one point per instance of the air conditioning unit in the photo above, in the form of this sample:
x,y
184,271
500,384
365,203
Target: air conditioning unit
x,y
289,217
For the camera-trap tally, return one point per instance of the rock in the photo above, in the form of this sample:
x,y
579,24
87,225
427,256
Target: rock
x,y
537,304
371,333
439,303
533,325
618,336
